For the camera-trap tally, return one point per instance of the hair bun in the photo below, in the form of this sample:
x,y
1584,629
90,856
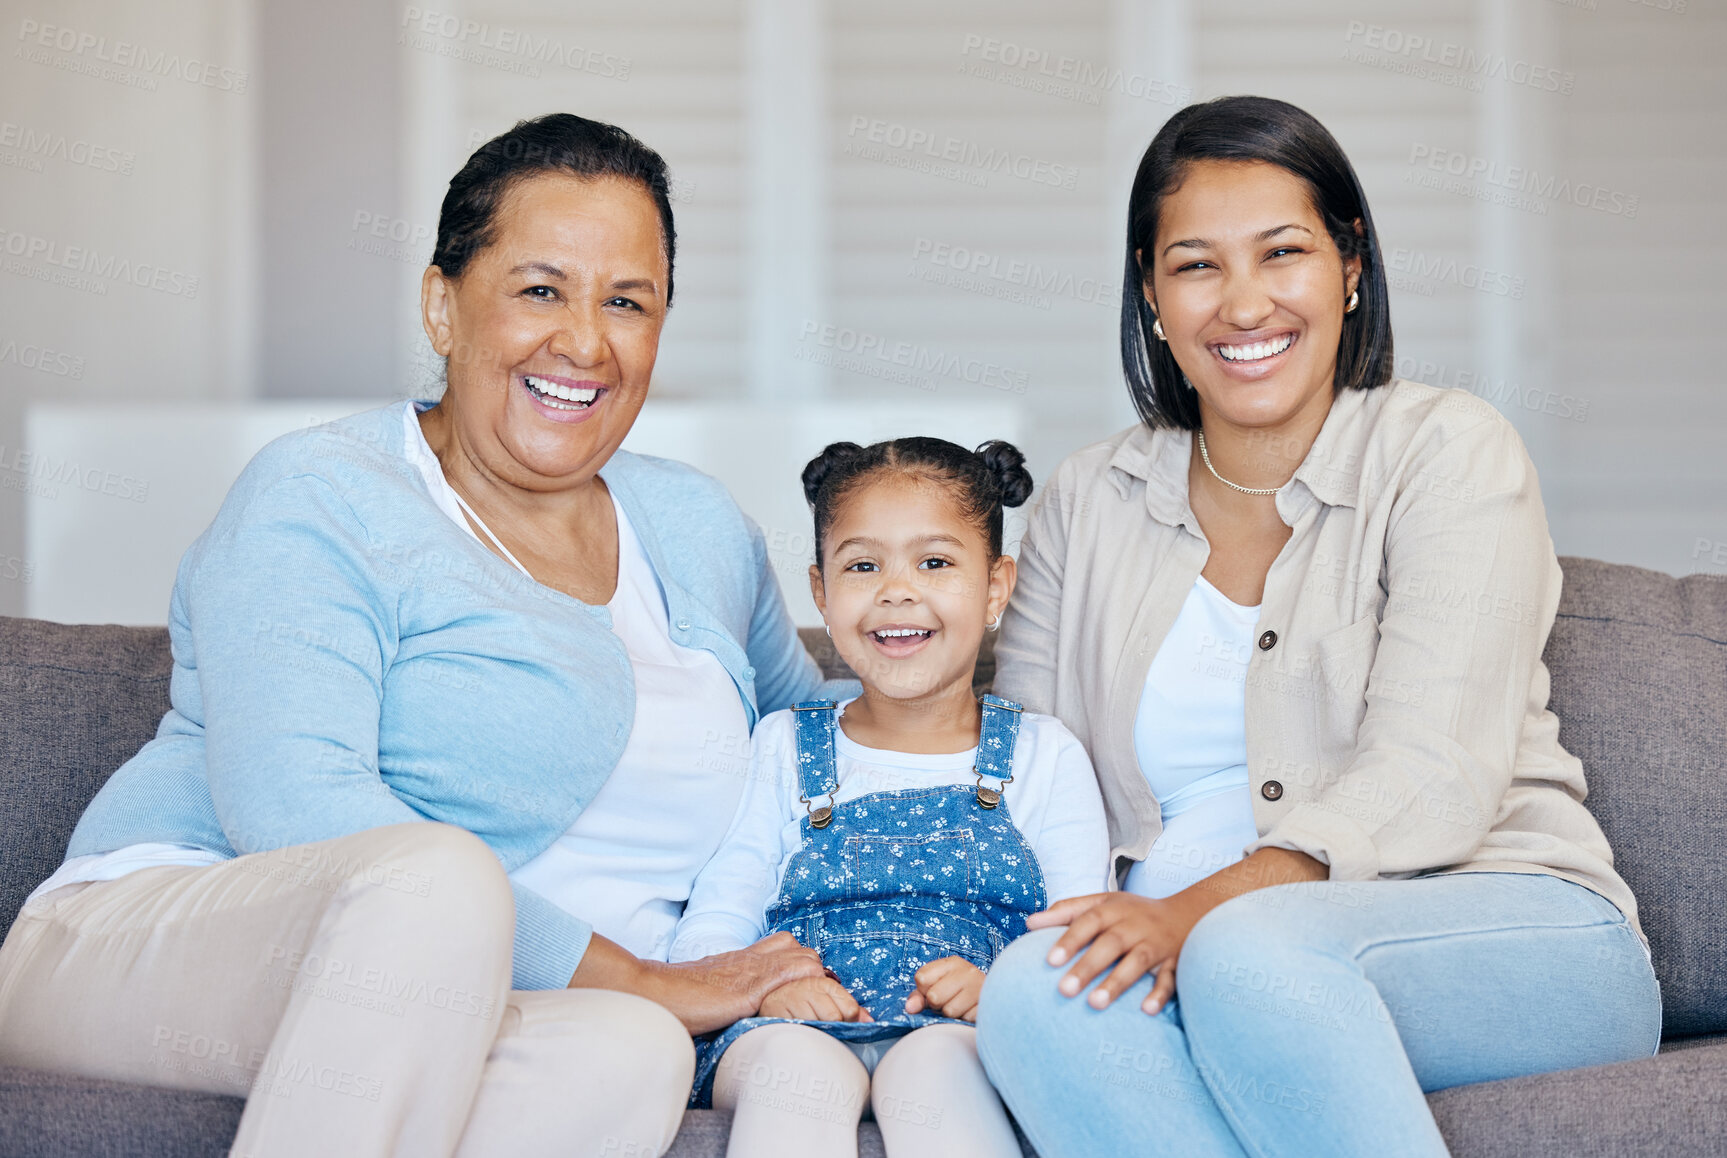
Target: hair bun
x,y
1006,465
819,467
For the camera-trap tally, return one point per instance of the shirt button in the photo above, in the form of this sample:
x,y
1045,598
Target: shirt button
x,y
1271,790
683,625
1267,642
749,673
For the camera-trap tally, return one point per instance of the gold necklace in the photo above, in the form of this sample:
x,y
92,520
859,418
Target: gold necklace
x,y
1205,457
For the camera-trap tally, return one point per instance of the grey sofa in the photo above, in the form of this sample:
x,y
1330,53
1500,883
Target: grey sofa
x,y
1639,663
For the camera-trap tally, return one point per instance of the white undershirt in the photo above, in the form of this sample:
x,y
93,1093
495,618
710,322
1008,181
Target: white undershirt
x,y
626,865
1191,739
1053,800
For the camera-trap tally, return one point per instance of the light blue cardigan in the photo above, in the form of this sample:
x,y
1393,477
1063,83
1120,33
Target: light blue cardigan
x,y
346,657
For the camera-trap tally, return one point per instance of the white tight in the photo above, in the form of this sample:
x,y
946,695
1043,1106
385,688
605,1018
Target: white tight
x,y
795,1091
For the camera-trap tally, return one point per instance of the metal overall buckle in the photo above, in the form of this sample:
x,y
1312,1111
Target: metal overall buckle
x,y
988,797
819,817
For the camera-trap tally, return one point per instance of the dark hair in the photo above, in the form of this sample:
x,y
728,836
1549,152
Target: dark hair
x,y
1248,128
984,481
555,143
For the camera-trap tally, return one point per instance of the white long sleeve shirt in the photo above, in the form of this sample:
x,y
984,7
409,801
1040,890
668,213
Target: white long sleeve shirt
x,y
1053,801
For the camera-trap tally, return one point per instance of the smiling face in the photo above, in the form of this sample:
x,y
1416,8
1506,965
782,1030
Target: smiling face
x,y
907,586
1250,289
552,330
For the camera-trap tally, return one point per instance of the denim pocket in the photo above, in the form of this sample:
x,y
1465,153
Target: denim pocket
x,y
943,863
913,940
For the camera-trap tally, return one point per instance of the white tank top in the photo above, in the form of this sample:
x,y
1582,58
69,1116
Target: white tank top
x,y
626,864
1191,739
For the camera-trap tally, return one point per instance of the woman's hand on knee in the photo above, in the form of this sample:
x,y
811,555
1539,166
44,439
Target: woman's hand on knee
x,y
712,992
780,958
1133,934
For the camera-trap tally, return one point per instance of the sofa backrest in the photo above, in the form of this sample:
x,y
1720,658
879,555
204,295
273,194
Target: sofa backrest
x,y
1639,664
75,704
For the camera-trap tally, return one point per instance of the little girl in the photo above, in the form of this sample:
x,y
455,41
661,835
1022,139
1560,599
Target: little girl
x,y
905,834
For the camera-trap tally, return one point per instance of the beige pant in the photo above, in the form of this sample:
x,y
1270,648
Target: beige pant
x,y
356,991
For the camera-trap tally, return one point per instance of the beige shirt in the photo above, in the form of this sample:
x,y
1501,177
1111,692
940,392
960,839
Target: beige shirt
x,y
1397,718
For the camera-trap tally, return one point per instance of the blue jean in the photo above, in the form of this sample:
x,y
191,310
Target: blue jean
x,y
1311,1019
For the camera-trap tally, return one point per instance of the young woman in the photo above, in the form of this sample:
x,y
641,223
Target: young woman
x,y
1297,616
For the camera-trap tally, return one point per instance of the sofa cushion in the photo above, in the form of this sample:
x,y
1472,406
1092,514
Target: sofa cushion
x,y
75,704
1639,663
50,1115
1673,1105
704,1134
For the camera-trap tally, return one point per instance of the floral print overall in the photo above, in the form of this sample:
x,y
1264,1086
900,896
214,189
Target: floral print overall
x,y
888,882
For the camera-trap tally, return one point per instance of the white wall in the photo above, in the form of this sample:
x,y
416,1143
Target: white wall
x,y
127,219
1592,331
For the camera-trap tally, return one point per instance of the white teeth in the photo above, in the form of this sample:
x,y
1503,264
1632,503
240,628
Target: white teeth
x,y
1257,350
898,632
567,393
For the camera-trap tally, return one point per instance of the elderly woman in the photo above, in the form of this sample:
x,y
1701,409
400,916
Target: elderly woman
x,y
1297,616
460,699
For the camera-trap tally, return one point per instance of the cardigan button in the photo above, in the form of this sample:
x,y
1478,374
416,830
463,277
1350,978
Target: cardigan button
x,y
1268,641
1271,790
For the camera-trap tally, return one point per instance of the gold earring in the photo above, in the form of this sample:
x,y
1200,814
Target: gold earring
x,y
1157,328
1354,300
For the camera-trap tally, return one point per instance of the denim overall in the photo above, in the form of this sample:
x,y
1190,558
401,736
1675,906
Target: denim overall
x,y
888,882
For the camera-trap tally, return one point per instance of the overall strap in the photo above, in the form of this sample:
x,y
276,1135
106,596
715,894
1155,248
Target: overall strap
x,y
818,771
998,733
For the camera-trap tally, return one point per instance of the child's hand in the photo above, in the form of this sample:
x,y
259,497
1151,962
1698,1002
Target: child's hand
x,y
950,987
813,999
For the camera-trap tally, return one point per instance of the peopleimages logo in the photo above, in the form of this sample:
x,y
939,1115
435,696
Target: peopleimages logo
x,y
1068,77
1414,48
85,47
974,269
863,352
41,358
1524,187
960,152
106,266
1466,274
499,46
19,469
38,144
